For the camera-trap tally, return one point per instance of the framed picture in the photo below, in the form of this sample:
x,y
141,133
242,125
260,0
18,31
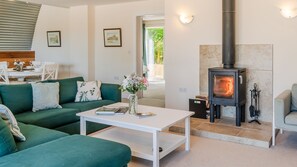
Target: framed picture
x,y
54,38
112,37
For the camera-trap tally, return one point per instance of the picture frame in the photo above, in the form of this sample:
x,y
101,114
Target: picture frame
x,y
112,37
54,38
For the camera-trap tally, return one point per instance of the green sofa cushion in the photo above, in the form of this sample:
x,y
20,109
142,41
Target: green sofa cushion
x,y
84,106
71,151
111,92
50,118
37,135
74,128
68,88
7,144
18,98
291,118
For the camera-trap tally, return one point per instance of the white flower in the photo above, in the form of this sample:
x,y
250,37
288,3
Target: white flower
x,y
133,83
18,63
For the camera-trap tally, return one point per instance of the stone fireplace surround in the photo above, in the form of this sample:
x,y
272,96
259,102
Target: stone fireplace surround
x,y
258,60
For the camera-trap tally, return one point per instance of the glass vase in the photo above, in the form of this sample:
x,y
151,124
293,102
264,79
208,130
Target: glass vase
x,y
133,104
19,67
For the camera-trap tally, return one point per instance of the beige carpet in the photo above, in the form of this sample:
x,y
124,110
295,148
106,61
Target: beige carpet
x,y
214,153
153,96
155,90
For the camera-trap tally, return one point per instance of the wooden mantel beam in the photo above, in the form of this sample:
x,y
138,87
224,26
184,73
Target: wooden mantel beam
x,y
11,56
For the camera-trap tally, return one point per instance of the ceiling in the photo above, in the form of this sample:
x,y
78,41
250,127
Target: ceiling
x,y
69,3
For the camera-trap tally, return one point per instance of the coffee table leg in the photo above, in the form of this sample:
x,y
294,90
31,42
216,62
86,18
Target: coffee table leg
x,y
156,156
187,133
82,126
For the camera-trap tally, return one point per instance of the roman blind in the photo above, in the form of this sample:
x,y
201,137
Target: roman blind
x,y
17,24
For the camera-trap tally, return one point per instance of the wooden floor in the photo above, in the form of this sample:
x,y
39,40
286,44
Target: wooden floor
x,y
225,129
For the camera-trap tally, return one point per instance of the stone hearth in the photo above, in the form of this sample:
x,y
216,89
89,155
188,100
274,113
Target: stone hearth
x,y
224,129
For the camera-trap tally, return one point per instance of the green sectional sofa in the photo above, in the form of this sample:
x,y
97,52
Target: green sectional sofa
x,y
51,134
18,98
51,148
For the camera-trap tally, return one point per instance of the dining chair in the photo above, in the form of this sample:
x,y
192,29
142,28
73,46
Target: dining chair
x,y
37,65
3,73
50,71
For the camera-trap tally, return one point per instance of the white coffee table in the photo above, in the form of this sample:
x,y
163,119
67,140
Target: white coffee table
x,y
143,135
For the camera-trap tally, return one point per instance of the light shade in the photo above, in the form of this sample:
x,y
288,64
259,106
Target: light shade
x,y
289,13
186,19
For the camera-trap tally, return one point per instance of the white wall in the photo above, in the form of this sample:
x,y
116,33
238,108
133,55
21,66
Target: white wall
x,y
265,25
72,56
79,41
258,22
182,46
50,19
91,42
112,63
82,50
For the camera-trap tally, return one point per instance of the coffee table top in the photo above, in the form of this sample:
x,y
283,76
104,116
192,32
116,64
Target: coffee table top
x,y
163,119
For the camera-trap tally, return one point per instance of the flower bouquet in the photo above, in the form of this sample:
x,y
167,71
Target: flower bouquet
x,y
132,84
18,65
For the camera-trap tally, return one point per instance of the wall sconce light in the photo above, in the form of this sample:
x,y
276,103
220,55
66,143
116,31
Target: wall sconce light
x,y
289,13
186,19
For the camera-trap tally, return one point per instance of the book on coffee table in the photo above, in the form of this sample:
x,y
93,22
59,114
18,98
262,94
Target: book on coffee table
x,y
111,110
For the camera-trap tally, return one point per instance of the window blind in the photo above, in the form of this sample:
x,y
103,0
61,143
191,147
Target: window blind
x,y
17,24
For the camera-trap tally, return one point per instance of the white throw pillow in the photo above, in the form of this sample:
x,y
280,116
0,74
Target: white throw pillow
x,y
9,118
88,91
45,96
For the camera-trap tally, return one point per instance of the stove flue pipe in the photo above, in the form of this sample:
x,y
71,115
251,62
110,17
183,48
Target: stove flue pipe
x,y
228,33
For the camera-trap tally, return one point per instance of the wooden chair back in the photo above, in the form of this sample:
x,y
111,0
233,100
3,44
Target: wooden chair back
x,y
50,71
3,73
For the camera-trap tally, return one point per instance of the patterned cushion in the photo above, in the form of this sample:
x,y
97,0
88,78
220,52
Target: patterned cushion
x,y
6,114
45,96
88,91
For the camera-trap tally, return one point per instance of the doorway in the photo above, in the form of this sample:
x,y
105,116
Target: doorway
x,y
152,59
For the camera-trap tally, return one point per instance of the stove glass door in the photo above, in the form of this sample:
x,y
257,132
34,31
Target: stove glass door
x,y
223,86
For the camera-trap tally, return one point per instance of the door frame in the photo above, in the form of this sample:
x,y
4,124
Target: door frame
x,y
139,49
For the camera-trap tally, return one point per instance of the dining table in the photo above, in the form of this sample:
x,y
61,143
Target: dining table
x,y
21,75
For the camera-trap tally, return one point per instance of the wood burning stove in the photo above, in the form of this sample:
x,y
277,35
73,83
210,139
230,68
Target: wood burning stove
x,y
227,87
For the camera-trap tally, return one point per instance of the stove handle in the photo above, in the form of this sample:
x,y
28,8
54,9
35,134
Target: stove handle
x,y
240,79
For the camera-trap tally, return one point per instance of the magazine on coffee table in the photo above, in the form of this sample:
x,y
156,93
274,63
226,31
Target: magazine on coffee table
x,y
111,110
